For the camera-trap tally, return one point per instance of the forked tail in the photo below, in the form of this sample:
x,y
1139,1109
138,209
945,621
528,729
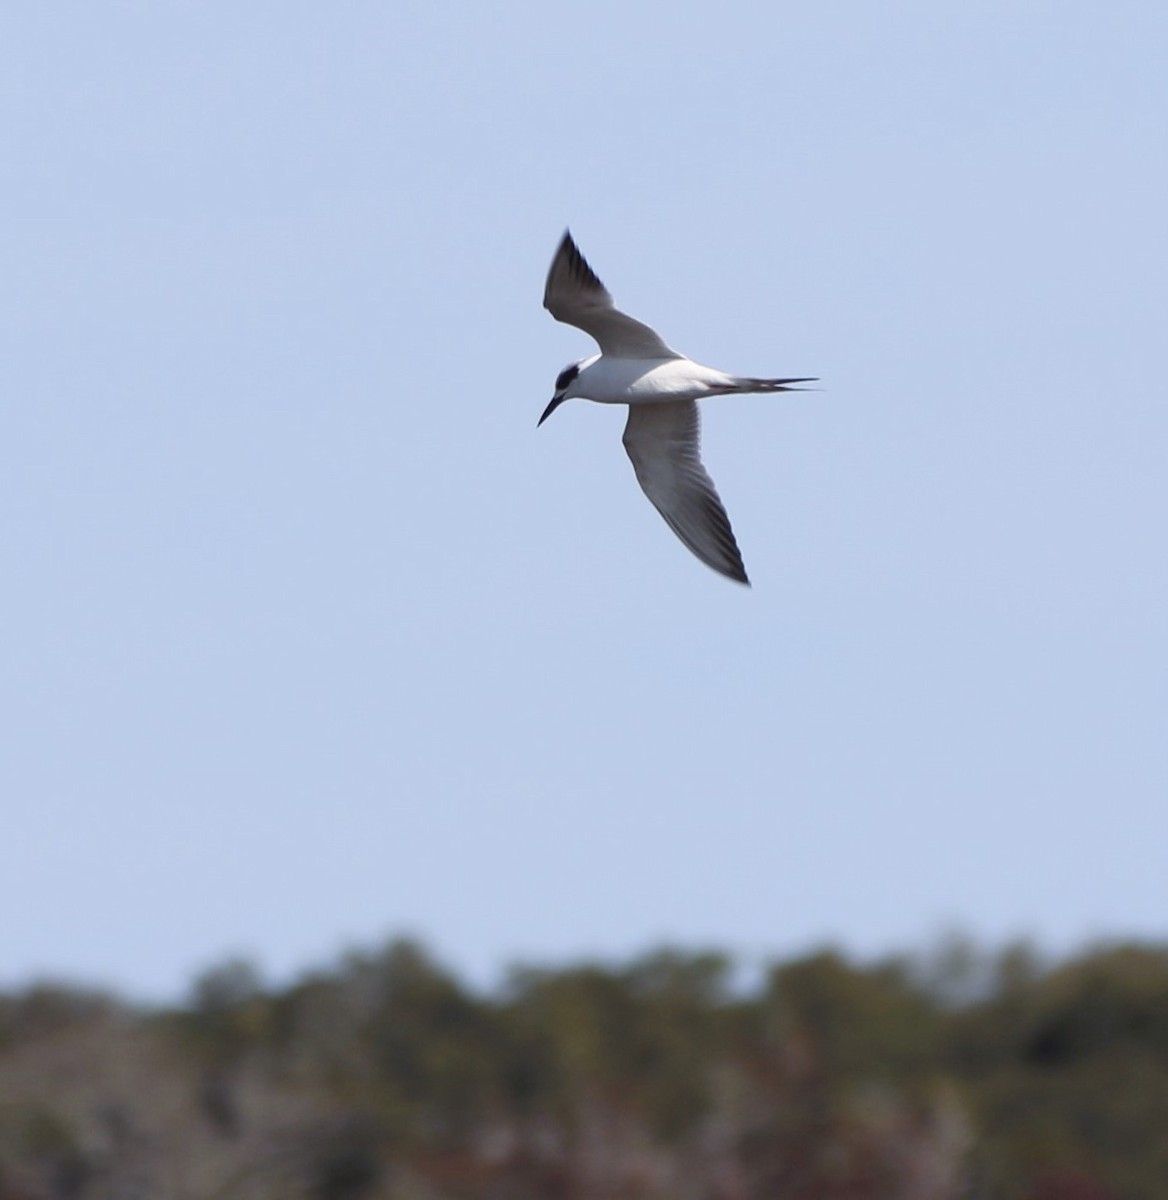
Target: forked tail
x,y
745,384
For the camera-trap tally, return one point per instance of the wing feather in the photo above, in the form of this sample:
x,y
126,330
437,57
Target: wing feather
x,y
663,441
574,294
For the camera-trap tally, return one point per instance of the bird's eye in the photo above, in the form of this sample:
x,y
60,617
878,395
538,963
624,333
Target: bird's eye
x,y
566,376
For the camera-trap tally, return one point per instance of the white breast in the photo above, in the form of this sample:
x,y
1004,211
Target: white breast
x,y
645,381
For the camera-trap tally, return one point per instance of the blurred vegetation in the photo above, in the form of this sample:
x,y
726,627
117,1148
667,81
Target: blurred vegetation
x,y
959,1074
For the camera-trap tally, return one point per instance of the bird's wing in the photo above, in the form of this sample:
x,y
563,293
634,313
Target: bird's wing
x,y
663,442
573,294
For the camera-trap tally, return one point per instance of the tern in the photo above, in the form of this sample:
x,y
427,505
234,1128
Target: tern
x,y
661,388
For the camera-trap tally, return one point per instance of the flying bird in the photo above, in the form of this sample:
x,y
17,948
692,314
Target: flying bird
x,y
661,388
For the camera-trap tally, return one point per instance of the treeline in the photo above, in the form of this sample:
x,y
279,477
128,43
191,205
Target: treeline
x,y
965,1075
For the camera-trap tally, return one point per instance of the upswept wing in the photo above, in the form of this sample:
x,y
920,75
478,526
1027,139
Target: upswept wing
x,y
575,295
663,441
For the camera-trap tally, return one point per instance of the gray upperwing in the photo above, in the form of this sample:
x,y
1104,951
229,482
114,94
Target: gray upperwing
x,y
574,294
663,442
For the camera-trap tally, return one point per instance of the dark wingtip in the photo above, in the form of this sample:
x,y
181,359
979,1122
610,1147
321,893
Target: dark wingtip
x,y
578,267
568,243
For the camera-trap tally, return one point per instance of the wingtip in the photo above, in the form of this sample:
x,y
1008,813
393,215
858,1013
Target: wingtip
x,y
729,569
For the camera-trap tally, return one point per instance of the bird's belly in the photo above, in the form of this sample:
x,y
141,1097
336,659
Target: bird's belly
x,y
646,381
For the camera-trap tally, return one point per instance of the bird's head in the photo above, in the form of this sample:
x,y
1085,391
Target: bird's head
x,y
564,381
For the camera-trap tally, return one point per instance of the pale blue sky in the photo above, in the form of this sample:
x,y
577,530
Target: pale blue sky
x,y
309,637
